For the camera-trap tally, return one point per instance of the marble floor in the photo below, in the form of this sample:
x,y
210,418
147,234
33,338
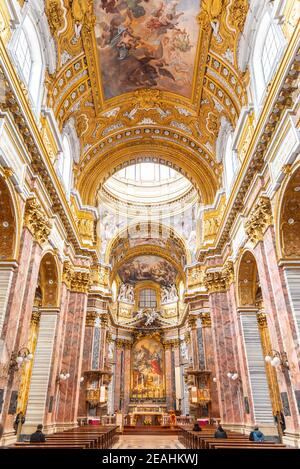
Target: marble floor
x,y
148,442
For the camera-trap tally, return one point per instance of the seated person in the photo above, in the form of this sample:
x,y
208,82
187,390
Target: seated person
x,y
38,436
256,435
197,427
220,432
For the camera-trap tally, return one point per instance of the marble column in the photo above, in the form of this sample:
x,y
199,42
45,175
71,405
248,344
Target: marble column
x,y
127,376
16,325
118,371
168,376
210,361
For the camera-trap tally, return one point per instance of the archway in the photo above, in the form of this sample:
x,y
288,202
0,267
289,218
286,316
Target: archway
x,y
289,224
35,377
8,244
257,343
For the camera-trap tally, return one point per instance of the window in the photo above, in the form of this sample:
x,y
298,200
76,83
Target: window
x,y
23,55
268,45
230,164
27,53
147,172
269,52
147,298
66,163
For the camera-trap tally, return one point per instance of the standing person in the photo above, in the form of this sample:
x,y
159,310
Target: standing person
x,y
19,421
220,432
38,436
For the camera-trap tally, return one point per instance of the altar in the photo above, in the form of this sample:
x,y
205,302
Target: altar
x,y
145,414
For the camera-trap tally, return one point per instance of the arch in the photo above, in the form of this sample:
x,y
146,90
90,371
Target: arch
x,y
99,168
156,228
48,281
146,250
9,232
289,217
249,291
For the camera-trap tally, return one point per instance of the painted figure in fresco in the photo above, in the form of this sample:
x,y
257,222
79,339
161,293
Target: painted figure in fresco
x,y
146,44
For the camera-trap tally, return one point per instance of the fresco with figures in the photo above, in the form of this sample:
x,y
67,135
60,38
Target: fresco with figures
x,y
153,268
147,369
146,44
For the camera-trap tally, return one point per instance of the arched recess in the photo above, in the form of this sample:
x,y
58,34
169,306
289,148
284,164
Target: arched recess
x,y
8,223
289,219
101,167
147,250
249,291
49,281
9,244
41,338
257,342
161,235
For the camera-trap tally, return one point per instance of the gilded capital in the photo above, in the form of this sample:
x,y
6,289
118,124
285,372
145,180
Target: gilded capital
x,y
36,220
80,282
215,282
67,274
35,317
90,318
259,220
192,322
228,273
262,320
205,320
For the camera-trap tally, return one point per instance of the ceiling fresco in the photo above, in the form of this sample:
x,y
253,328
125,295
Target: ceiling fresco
x,y
153,268
146,44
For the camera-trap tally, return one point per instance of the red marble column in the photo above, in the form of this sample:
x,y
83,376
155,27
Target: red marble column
x,y
118,370
210,363
17,319
240,361
225,359
76,358
127,376
168,376
194,342
86,362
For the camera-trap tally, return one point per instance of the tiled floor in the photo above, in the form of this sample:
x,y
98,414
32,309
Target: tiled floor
x,y
148,442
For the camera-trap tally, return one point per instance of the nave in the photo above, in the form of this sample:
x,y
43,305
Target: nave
x,y
149,224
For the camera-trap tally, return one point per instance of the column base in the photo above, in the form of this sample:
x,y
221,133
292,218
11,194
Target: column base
x,y
267,429
8,438
292,439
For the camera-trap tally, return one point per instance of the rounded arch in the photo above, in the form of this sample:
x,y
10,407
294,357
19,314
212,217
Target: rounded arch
x,y
48,287
156,229
192,166
146,250
9,231
288,217
249,291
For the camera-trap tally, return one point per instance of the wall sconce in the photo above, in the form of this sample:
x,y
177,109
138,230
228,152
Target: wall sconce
x,y
82,379
17,359
214,379
233,375
63,376
278,359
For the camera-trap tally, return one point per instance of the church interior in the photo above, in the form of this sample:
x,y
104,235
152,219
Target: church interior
x,y
149,221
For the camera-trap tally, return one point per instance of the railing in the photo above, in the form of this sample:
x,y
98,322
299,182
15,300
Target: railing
x,y
108,420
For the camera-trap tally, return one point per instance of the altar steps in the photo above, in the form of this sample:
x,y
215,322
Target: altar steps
x,y
149,430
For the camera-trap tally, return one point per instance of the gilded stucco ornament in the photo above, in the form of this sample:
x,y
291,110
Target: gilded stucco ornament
x,y
80,282
36,220
259,219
